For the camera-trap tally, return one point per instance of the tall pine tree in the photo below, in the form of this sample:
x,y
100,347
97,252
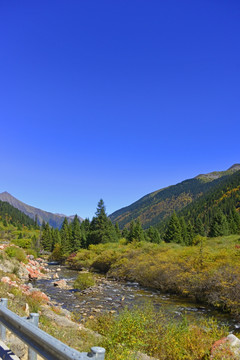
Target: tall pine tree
x,y
101,228
174,231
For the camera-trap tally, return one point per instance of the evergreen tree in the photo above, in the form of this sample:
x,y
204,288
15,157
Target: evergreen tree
x,y
173,232
76,234
43,225
130,235
153,235
125,233
234,221
231,223
219,225
190,233
46,238
36,222
56,237
138,231
85,228
65,238
135,231
101,228
184,233
199,228
118,232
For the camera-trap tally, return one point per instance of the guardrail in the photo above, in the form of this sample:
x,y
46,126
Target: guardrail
x,y
38,341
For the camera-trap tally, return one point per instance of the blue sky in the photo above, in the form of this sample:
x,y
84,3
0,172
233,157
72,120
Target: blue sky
x,y
115,99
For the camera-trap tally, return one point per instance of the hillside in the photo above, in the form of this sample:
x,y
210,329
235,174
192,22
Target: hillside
x,y
11,215
54,220
158,205
224,198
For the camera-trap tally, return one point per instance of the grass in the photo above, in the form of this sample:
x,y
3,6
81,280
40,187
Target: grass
x,y
142,330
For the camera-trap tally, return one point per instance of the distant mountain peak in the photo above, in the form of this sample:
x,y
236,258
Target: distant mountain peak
x,y
55,220
217,174
235,167
6,193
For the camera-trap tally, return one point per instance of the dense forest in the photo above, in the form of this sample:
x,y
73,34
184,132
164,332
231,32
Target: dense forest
x,y
157,206
214,214
10,214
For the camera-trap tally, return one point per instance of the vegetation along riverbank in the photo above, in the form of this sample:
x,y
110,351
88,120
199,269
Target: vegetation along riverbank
x,y
181,260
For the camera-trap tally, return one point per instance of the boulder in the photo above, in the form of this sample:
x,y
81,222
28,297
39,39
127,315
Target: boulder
x,y
61,283
222,347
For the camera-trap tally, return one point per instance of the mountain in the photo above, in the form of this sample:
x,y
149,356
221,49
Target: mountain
x,y
54,220
158,205
217,174
14,216
223,198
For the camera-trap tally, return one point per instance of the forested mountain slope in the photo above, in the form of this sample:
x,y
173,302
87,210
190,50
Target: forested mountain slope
x,y
54,220
223,199
10,214
157,206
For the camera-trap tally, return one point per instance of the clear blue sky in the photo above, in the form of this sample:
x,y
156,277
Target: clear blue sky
x,y
115,99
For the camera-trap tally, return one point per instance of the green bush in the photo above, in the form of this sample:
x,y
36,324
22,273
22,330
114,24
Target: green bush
x,y
56,254
23,243
32,252
144,330
84,281
104,261
83,259
17,253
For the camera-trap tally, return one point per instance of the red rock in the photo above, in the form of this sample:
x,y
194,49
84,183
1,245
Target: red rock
x,y
40,296
222,348
218,344
8,281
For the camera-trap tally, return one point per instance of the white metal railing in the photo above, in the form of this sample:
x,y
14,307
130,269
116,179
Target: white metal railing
x,y
38,341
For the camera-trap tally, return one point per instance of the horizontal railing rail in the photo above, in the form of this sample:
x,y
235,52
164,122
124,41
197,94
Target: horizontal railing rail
x,y
39,341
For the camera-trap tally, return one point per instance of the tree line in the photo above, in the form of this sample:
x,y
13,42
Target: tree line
x,y
13,216
76,235
179,229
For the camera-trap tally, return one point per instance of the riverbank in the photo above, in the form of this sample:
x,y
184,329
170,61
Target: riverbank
x,y
17,274
126,336
111,296
208,273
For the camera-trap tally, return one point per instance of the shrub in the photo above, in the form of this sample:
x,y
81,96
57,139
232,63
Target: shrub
x,y
84,281
32,252
104,261
17,253
23,243
83,259
57,253
144,330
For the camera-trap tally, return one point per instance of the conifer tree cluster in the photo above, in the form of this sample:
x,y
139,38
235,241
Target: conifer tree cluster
x,y
75,235
180,231
11,215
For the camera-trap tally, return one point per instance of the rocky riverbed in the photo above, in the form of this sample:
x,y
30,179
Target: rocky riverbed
x,y
112,296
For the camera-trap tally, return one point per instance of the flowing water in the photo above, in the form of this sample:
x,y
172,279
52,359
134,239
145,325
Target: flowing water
x,y
110,295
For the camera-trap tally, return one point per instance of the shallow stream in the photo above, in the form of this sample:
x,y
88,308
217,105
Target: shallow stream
x,y
110,295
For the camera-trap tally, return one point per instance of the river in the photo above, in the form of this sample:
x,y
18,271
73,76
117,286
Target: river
x,y
110,295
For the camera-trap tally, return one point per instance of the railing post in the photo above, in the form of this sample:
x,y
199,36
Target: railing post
x,y
4,303
97,353
34,319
